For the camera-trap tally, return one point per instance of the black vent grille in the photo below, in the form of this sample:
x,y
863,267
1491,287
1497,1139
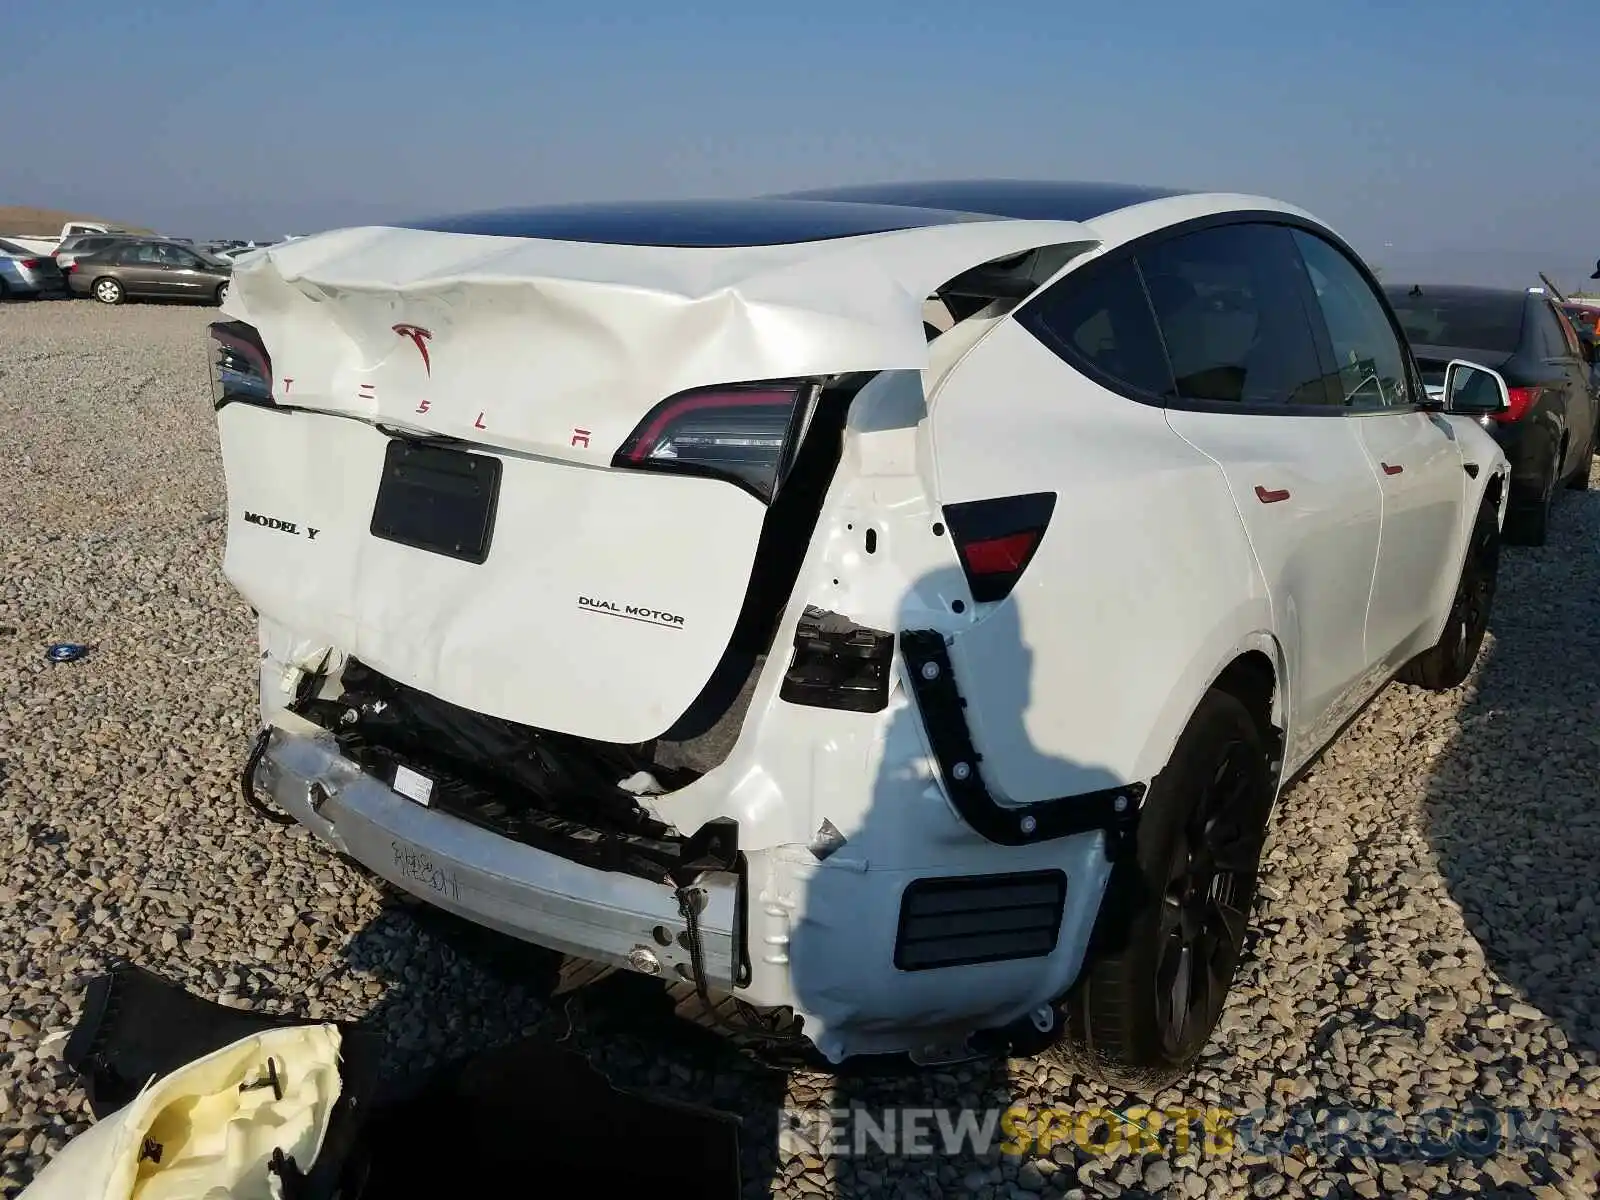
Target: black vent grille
x,y
969,919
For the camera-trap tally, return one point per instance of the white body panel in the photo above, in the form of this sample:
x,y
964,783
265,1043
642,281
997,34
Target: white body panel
x,y
1142,519
1416,460
1317,549
1160,567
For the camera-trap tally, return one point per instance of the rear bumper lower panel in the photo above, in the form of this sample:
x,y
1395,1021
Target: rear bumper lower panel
x,y
530,894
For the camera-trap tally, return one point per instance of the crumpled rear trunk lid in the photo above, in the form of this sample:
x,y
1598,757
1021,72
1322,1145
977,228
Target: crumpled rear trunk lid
x,y
516,566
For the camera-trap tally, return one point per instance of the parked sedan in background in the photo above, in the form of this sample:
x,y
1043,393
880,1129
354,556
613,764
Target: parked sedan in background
x,y
1548,433
150,267
24,272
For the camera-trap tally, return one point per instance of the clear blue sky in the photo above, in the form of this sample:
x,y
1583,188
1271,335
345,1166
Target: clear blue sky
x,y
1441,128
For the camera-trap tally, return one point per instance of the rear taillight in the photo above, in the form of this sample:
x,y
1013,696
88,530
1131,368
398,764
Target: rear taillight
x,y
997,539
745,433
33,264
1522,399
241,369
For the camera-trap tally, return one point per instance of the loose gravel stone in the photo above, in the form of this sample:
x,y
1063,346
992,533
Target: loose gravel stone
x,y
1429,932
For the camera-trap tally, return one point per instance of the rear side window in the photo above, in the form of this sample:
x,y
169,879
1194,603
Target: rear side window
x,y
1230,302
1097,319
1460,318
1552,341
1567,334
1370,359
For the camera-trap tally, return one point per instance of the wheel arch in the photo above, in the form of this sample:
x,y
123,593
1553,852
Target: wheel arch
x,y
1248,663
1491,487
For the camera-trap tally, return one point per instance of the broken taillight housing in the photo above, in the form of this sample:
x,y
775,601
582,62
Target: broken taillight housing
x,y
997,539
745,433
838,664
241,368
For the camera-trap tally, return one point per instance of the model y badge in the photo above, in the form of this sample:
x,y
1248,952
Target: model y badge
x,y
419,338
280,525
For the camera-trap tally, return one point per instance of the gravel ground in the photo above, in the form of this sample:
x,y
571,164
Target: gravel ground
x,y
1429,934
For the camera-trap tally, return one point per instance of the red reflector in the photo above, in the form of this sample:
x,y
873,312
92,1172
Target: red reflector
x,y
996,556
1522,399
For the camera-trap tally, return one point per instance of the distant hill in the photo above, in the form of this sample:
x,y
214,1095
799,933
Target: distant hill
x,y
24,221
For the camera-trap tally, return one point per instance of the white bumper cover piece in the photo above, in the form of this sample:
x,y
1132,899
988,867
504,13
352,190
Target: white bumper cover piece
x,y
206,1129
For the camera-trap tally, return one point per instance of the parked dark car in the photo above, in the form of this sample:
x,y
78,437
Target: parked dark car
x,y
149,267
1549,431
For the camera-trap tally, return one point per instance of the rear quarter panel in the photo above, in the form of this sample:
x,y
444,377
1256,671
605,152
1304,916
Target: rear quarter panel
x,y
1143,590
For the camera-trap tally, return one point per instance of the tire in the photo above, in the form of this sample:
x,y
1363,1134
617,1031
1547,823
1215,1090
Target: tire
x,y
222,292
107,291
1218,782
1450,660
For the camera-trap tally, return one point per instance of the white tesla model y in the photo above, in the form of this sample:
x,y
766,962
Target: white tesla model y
x,y
888,615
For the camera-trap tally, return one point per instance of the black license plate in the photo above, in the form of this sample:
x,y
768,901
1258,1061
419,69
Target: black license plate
x,y
437,499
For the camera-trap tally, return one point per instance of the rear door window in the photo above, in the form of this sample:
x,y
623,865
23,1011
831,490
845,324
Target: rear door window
x,y
1097,318
1368,353
1230,302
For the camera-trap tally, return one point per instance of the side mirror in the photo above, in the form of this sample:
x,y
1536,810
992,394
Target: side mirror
x,y
1474,390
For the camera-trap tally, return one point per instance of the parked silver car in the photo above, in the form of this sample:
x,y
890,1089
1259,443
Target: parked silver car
x,y
24,272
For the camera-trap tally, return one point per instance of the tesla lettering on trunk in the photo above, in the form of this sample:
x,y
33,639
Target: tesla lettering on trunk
x,y
630,612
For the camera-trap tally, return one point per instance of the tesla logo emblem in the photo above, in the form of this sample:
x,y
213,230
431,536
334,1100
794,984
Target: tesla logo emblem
x,y
419,338
580,437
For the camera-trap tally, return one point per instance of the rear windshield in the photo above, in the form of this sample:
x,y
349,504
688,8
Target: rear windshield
x,y
1470,320
699,223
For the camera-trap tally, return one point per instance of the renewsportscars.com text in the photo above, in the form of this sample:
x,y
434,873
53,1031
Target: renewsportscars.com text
x,y
1375,1133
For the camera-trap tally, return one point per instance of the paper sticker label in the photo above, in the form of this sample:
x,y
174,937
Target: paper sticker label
x,y
412,785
